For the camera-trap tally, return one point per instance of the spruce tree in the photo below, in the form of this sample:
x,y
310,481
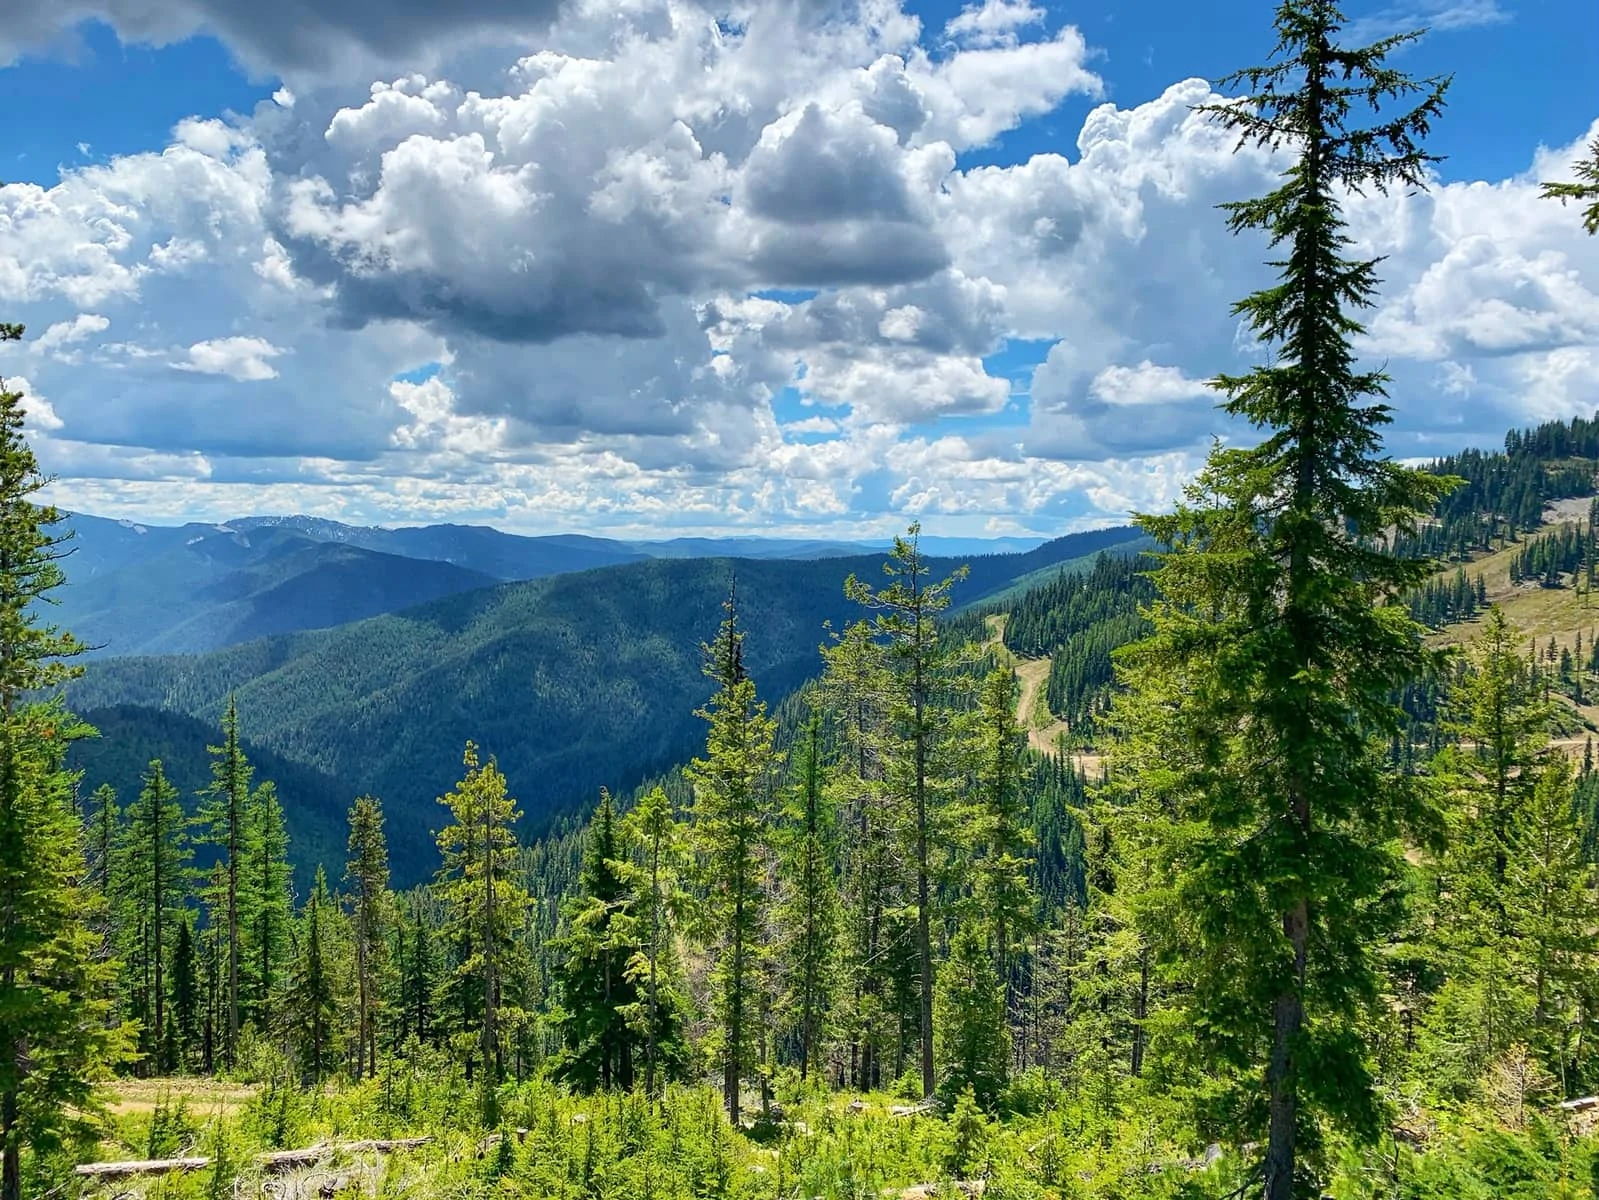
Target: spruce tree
x,y
807,914
267,907
1584,190
854,691
973,1039
153,875
56,1039
484,902
907,620
313,989
662,902
997,825
367,872
223,818
1278,641
600,1044
731,814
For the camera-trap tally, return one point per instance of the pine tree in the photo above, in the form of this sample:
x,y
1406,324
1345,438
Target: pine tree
x,y
662,900
55,1036
854,691
313,991
484,902
1584,190
1551,888
417,962
973,1038
367,871
1277,639
266,906
808,912
997,826
185,1017
101,828
731,812
907,620
595,987
223,816
152,870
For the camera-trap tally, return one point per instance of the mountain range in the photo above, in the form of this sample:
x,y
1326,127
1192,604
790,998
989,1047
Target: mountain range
x,y
154,589
573,681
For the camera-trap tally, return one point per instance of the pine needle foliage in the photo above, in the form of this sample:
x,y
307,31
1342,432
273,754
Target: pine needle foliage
x,y
1278,641
57,1038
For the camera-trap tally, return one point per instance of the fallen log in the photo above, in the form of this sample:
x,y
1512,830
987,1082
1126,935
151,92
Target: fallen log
x,y
146,1166
273,1161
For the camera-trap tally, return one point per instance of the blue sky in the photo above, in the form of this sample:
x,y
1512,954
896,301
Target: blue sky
x,y
274,270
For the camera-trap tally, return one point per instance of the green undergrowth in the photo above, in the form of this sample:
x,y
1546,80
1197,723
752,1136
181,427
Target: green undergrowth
x,y
1046,1143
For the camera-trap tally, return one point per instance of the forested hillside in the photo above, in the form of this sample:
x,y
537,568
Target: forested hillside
x,y
226,588
574,682
1318,924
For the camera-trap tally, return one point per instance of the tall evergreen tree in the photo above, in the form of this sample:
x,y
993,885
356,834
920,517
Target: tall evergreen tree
x,y
973,1037
1276,638
55,1036
997,827
313,1007
485,903
662,901
367,871
854,691
907,619
731,813
808,910
223,817
595,988
153,875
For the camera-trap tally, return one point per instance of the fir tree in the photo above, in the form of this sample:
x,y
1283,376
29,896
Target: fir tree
x,y
1277,641
595,987
484,902
313,990
185,1019
908,609
223,817
658,1012
731,812
1584,189
997,827
367,871
55,1036
973,1039
267,906
808,911
1550,890
153,871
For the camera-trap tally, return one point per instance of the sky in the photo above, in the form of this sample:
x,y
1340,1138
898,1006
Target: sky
x,y
796,267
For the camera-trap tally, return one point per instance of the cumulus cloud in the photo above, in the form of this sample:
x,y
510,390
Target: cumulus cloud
x,y
674,268
242,359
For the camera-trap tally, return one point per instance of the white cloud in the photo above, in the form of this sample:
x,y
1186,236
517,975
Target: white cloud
x,y
582,248
62,334
243,359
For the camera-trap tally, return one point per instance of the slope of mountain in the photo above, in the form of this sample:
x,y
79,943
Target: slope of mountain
x,y
216,589
573,681
505,556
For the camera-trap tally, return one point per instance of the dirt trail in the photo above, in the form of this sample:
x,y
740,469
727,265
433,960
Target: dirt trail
x,y
1044,730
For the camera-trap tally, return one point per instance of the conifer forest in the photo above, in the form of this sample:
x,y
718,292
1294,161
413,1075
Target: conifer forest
x,y
1252,851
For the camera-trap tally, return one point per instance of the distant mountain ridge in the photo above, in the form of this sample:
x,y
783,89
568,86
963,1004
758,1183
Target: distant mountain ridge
x,y
573,681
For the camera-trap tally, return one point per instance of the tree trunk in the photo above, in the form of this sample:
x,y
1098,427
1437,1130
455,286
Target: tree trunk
x,y
1289,1019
